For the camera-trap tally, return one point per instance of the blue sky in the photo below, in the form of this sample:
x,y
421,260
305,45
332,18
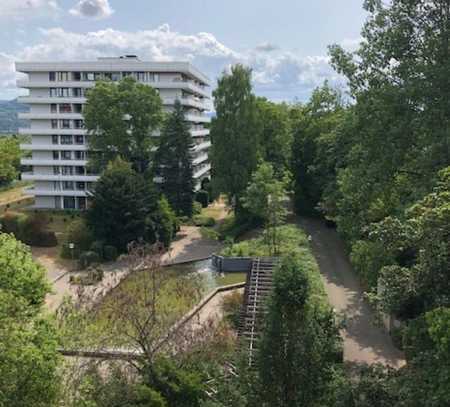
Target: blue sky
x,y
284,41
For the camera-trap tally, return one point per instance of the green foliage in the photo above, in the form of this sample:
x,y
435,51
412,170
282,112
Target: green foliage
x,y
120,117
173,162
275,139
165,223
88,258
202,197
180,388
29,358
80,235
97,247
234,134
110,253
300,345
12,222
33,231
121,193
265,199
9,160
19,274
231,307
201,220
196,208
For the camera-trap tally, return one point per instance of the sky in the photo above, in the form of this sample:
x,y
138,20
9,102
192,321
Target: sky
x,y
283,41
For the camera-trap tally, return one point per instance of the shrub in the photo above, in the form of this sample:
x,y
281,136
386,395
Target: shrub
x,y
196,208
231,306
201,220
11,222
98,247
80,235
208,233
202,197
88,258
110,253
33,231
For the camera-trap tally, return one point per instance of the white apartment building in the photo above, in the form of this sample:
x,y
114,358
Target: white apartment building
x,y
59,146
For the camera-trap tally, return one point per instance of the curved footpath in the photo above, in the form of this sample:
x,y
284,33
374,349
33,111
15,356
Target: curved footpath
x,y
364,342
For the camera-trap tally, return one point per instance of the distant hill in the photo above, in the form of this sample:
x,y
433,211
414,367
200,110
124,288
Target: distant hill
x,y
9,123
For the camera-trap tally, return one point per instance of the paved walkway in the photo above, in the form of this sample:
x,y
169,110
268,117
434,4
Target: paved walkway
x,y
363,341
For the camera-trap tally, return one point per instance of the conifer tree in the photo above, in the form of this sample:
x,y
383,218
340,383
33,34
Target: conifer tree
x,y
173,162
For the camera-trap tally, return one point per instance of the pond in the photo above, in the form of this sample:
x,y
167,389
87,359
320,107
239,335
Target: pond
x,y
209,277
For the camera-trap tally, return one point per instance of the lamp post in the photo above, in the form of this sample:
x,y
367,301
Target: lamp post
x,y
72,247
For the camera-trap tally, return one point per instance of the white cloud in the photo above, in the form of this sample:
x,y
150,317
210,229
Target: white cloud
x,y
278,74
28,8
95,9
266,47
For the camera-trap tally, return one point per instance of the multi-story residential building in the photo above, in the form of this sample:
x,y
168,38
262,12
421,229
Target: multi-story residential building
x,y
59,146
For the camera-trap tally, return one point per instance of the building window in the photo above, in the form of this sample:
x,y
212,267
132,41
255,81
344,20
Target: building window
x,y
66,124
67,185
79,170
79,139
54,108
56,155
88,76
66,170
81,203
52,76
56,170
66,155
66,139
54,123
65,108
69,202
77,92
141,77
77,76
81,186
63,76
78,108
78,124
115,76
55,139
79,155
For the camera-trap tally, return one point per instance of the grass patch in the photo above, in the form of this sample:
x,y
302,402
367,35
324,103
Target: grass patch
x,y
292,241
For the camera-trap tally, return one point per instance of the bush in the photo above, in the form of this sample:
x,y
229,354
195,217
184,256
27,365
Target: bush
x,y
196,208
110,253
33,231
202,197
208,233
97,247
87,259
80,235
201,220
11,223
231,307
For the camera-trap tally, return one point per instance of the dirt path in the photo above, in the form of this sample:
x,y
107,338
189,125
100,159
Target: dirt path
x,y
363,341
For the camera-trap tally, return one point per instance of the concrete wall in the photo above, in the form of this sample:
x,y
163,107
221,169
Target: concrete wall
x,y
232,264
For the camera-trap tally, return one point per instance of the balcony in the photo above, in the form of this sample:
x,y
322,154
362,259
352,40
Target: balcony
x,y
50,177
201,158
49,132
202,146
202,171
49,100
54,147
197,118
54,192
51,162
49,116
176,84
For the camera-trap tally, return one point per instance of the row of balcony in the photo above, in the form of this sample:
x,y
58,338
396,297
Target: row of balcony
x,y
50,132
185,101
184,85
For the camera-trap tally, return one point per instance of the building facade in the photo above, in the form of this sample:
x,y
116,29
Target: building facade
x,y
59,141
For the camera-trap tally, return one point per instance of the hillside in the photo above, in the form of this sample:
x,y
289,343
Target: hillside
x,y
9,123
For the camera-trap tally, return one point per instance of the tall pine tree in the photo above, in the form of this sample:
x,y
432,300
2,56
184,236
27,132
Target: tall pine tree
x,y
173,162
